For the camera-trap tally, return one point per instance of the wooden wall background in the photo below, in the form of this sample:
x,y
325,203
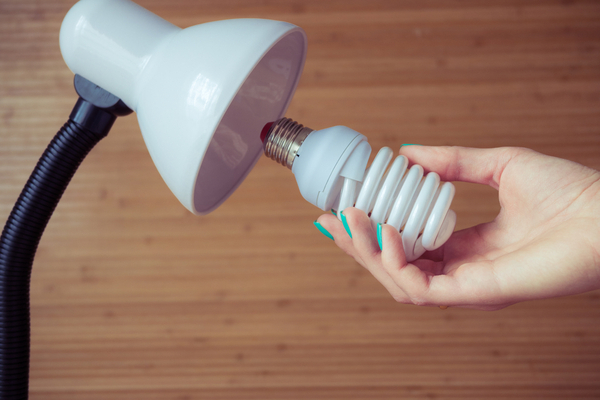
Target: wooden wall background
x,y
135,298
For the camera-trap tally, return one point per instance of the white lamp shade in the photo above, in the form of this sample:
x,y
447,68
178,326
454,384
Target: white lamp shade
x,y
202,94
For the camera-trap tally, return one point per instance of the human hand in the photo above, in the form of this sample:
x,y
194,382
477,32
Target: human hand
x,y
545,242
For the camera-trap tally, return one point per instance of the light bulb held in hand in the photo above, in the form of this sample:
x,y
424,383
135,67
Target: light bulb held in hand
x,y
330,166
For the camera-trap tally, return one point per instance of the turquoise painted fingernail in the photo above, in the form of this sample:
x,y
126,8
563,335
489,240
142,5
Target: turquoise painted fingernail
x,y
411,144
379,236
323,230
333,212
345,223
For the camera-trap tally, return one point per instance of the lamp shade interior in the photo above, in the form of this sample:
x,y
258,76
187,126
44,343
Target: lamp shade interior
x,y
236,146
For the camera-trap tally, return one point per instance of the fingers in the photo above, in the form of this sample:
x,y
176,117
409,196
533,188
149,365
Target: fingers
x,y
412,279
407,283
336,229
464,164
366,241
424,282
363,246
427,282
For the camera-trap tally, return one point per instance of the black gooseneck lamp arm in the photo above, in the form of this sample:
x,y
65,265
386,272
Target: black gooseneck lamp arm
x,y
92,117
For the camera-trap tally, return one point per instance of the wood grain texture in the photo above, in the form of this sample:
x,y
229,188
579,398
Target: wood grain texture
x,y
135,298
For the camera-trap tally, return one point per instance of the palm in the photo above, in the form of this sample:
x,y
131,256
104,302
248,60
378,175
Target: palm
x,y
539,227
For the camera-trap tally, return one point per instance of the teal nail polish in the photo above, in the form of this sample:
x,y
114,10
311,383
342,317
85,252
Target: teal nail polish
x,y
345,223
410,144
323,230
379,236
333,212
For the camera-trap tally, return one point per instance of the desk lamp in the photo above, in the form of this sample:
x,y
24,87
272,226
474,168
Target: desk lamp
x,y
209,100
202,96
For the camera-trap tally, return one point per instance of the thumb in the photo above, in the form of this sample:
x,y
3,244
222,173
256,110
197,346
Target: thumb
x,y
463,164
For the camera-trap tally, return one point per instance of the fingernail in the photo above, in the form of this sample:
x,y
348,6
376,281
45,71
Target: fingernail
x,y
333,212
323,230
410,144
379,235
345,223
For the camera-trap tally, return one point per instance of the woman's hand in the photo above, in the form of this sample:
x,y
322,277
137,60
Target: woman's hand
x,y
545,242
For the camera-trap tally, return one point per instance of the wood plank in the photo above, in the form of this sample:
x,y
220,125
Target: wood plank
x,y
135,298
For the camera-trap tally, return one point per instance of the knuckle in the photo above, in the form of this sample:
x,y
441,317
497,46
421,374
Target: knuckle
x,y
400,298
419,301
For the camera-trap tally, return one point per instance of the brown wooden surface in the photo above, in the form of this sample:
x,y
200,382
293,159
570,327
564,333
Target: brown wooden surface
x,y
135,298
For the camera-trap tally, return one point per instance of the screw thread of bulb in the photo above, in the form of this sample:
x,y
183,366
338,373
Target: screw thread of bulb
x,y
283,140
